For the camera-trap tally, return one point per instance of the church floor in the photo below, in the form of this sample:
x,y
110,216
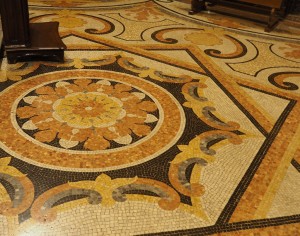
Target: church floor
x,y
157,123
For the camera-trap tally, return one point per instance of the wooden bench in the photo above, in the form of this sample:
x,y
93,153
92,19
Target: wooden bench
x,y
267,11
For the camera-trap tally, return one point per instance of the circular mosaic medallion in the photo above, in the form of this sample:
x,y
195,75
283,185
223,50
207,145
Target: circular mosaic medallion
x,y
88,120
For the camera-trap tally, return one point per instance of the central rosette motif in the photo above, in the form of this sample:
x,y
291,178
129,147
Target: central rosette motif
x,y
87,110
87,114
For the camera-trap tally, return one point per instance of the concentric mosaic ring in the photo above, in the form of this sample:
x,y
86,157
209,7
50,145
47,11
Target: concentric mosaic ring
x,y
88,120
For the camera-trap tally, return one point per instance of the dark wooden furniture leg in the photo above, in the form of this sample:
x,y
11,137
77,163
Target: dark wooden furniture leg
x,y
15,23
197,6
1,50
24,41
272,21
45,44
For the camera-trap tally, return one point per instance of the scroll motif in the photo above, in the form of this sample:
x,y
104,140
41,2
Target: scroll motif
x,y
280,80
144,71
23,194
103,190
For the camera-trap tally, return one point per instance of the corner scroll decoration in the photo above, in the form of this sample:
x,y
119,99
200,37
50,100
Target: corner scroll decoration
x,y
199,151
159,35
15,72
202,149
241,50
145,71
80,63
279,80
169,199
103,190
23,194
196,100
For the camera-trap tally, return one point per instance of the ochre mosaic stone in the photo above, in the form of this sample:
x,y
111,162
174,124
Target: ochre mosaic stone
x,y
157,123
290,229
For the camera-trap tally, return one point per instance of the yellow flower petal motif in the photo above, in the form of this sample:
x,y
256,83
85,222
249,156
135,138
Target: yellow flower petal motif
x,y
69,19
208,37
95,112
6,169
5,161
15,72
85,110
146,12
291,50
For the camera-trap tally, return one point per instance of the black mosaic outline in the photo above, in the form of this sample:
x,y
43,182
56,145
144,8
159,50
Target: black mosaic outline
x,y
244,183
245,225
257,72
289,86
266,92
296,165
112,48
243,53
170,40
89,31
293,162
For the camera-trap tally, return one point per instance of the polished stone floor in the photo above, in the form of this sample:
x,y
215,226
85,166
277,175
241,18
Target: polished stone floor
x,y
157,123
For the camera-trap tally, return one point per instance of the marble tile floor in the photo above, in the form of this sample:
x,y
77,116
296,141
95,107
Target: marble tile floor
x,y
157,123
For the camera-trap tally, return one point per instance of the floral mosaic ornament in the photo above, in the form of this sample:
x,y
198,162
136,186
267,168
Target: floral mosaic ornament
x,y
290,51
86,119
15,72
92,112
207,37
144,13
69,19
294,51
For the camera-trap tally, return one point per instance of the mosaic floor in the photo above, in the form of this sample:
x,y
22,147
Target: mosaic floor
x,y
158,123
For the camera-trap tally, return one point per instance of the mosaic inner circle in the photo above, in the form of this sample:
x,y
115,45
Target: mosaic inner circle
x,y
88,120
87,114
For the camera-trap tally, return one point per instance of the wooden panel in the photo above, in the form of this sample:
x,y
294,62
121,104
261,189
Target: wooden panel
x,y
267,3
15,22
267,11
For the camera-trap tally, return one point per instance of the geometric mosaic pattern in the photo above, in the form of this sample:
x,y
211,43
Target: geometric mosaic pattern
x,y
157,123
